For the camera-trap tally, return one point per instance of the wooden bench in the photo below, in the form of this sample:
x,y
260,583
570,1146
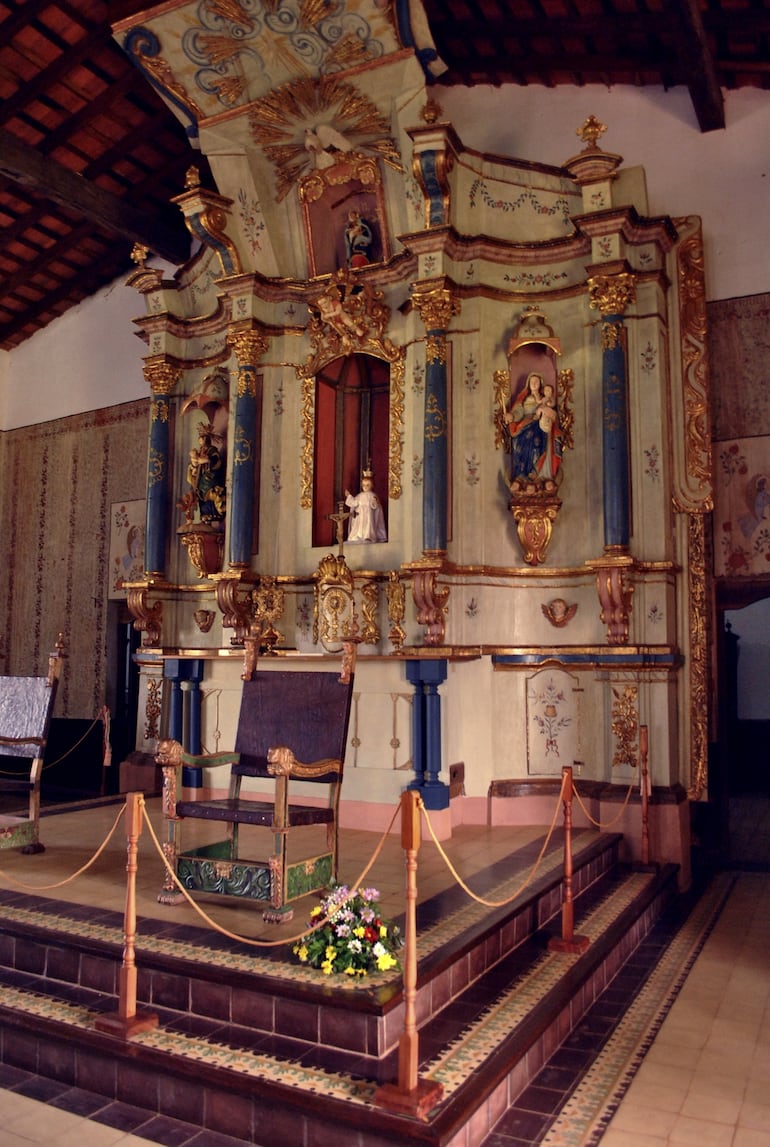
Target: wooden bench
x,y
26,705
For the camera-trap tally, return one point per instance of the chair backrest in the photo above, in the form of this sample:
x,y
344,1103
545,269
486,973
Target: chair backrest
x,y
307,712
26,704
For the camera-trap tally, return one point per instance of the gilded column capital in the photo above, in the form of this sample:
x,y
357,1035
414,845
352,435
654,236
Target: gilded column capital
x,y
249,344
436,305
611,294
161,375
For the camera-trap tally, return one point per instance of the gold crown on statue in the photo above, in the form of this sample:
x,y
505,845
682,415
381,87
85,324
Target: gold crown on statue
x,y
367,473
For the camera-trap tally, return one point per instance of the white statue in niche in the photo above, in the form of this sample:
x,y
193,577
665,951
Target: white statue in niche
x,y
367,521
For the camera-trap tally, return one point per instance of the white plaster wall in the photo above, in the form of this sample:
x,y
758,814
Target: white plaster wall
x,y
90,357
721,175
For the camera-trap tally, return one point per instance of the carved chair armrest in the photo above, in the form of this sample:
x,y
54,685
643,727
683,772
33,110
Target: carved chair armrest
x,y
281,762
172,758
171,754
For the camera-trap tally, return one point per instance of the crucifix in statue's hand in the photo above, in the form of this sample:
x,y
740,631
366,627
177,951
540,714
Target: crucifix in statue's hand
x,y
341,516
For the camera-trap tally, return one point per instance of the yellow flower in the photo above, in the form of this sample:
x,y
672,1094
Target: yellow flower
x,y
330,953
350,970
316,911
383,931
326,967
385,961
360,932
302,953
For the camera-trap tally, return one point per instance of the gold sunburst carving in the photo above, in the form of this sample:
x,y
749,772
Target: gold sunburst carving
x,y
279,121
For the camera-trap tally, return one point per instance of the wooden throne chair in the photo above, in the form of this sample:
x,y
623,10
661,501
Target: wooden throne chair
x,y
26,706
293,726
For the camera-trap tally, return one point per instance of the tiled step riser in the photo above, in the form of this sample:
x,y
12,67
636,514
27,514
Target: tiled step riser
x,y
169,1091
366,1032
227,1104
534,1058
463,973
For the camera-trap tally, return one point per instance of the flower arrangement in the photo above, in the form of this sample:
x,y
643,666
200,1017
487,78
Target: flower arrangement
x,y
353,939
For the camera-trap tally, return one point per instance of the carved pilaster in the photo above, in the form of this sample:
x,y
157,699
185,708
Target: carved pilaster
x,y
693,462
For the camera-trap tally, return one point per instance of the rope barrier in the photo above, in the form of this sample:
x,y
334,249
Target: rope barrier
x,y
307,931
61,883
604,825
532,872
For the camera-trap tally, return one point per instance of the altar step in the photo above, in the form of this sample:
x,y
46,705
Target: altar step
x,y
286,1059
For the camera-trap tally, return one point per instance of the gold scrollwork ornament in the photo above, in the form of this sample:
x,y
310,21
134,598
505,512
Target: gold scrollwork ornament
x,y
334,612
396,595
534,517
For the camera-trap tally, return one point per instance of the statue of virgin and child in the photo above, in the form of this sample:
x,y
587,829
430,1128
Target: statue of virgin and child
x,y
534,437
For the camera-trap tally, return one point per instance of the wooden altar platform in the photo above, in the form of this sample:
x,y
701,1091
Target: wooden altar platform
x,y
251,1044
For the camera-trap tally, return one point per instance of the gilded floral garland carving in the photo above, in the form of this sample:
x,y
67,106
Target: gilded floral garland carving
x,y
396,437
625,725
307,417
695,377
699,699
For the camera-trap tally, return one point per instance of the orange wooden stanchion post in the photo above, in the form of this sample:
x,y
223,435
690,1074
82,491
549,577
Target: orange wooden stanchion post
x,y
568,941
411,1095
127,1021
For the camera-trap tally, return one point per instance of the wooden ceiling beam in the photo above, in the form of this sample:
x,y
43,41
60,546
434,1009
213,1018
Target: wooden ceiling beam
x,y
24,165
700,68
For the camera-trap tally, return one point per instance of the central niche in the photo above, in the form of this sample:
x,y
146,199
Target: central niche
x,y
352,413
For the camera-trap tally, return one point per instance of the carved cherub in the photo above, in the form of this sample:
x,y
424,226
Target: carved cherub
x,y
558,612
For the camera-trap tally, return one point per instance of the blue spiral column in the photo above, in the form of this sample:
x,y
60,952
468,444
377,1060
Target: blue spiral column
x,y
162,377
436,304
611,294
249,345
